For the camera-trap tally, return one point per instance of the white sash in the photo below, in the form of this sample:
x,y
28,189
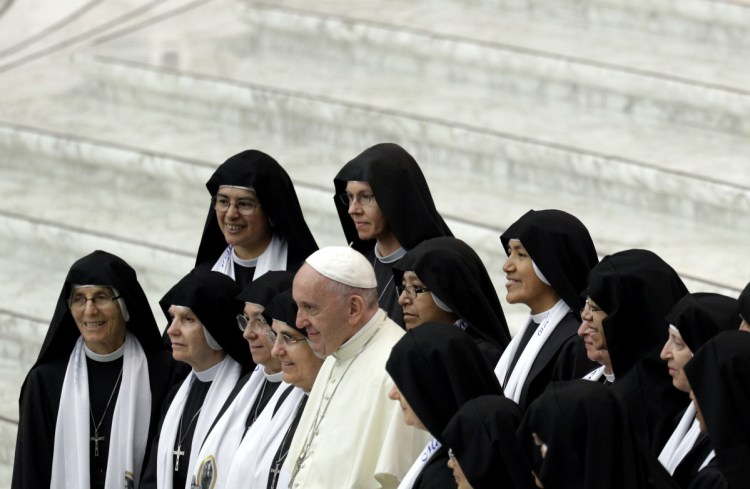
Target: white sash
x,y
220,447
411,476
594,375
682,440
274,257
517,378
222,385
252,465
127,439
708,459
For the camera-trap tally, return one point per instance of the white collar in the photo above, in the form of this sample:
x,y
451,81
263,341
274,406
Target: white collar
x,y
209,374
109,357
275,378
396,255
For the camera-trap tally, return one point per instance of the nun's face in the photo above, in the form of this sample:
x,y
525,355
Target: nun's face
x,y
523,285
410,417
592,332
99,318
676,353
259,342
298,361
249,234
420,308
369,220
189,343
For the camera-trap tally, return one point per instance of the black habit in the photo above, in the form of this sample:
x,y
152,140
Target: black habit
x,y
482,435
562,248
590,441
275,191
437,368
719,375
637,289
212,297
39,401
405,200
455,274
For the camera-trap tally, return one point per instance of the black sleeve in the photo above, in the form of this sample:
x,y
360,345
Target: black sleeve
x,y
35,442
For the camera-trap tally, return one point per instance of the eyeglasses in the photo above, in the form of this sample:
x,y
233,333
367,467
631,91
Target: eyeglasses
x,y
411,290
257,323
246,207
284,339
593,308
101,301
361,198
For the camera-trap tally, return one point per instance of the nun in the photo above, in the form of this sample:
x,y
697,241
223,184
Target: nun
x,y
90,404
719,377
694,320
201,309
436,368
550,254
591,331
744,301
630,293
246,409
578,435
484,452
444,280
386,208
255,222
260,458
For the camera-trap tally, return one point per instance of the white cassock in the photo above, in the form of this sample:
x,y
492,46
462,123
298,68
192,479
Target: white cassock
x,y
360,439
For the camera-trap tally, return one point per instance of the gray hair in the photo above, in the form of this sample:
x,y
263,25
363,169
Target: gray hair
x,y
340,291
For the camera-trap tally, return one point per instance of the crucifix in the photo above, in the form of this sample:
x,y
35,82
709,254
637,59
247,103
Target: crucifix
x,y
96,439
178,453
276,470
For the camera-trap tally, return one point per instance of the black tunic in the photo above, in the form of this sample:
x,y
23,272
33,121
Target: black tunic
x,y
104,383
184,438
482,435
283,451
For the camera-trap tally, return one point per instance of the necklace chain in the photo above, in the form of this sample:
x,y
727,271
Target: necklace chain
x,y
96,438
259,401
276,467
382,292
181,437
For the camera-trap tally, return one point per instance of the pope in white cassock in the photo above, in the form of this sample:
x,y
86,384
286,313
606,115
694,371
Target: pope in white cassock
x,y
350,434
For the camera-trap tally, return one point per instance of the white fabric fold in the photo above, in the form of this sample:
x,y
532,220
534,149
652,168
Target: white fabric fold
x,y
252,464
222,385
221,445
273,258
682,440
514,386
419,464
594,375
130,421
